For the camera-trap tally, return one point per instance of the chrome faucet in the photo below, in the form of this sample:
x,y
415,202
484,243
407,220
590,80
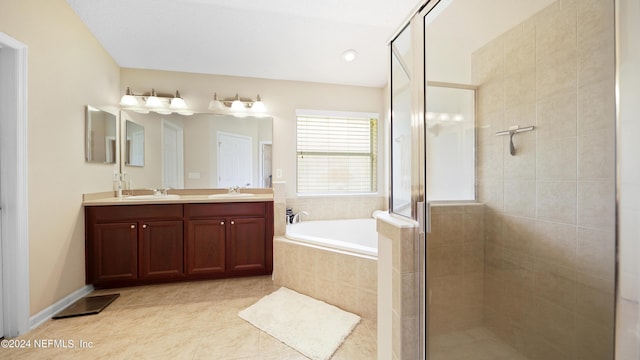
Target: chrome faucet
x,y
234,189
297,218
161,192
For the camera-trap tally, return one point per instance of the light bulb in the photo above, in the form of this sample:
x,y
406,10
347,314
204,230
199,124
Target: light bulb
x,y
177,102
258,106
216,105
153,101
237,105
128,99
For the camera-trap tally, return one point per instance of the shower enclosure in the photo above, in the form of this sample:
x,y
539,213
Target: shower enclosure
x,y
517,232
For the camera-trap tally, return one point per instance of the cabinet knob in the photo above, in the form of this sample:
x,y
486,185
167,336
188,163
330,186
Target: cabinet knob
x,y
233,222
144,226
133,226
221,222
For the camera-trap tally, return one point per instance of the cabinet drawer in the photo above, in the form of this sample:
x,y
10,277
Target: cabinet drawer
x,y
101,214
226,209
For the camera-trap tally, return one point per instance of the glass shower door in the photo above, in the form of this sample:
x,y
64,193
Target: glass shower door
x,y
527,270
407,198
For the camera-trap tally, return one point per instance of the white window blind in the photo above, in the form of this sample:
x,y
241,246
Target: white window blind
x,y
336,154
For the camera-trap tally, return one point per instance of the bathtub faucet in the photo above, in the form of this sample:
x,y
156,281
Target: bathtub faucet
x,y
298,217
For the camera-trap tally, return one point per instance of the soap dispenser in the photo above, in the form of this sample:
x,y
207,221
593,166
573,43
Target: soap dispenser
x,y
117,184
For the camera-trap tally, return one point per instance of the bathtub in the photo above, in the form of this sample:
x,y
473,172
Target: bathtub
x,y
357,236
335,261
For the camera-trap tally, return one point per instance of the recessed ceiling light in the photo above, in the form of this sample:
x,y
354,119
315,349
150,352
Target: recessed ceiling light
x,y
349,55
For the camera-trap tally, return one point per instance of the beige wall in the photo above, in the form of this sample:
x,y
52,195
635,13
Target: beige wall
x,y
281,97
550,210
67,69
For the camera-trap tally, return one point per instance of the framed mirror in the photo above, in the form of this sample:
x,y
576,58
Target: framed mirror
x,y
201,151
101,139
134,144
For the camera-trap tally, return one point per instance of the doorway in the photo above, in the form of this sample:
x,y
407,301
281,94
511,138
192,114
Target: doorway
x,y
14,241
172,155
235,160
266,156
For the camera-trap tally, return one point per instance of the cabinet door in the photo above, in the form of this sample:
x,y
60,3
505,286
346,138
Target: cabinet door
x,y
246,244
115,252
161,249
206,246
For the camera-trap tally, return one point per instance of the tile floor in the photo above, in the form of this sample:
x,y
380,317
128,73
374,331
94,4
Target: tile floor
x,y
195,320
477,344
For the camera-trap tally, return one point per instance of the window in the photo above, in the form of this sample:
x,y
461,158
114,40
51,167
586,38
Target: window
x,y
336,153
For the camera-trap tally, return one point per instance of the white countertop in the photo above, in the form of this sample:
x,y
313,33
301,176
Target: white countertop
x,y
190,198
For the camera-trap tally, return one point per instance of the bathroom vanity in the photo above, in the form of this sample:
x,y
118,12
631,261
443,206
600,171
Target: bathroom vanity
x,y
153,240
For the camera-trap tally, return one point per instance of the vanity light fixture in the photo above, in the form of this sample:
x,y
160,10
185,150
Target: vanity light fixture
x,y
444,117
128,99
238,106
177,103
216,105
152,101
258,106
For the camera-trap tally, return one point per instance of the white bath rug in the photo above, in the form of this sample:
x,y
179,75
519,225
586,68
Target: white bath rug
x,y
312,327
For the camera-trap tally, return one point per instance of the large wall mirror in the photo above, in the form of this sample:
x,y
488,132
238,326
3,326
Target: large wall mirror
x,y
199,151
100,136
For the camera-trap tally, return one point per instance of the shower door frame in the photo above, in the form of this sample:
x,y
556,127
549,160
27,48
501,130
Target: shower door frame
x,y
419,202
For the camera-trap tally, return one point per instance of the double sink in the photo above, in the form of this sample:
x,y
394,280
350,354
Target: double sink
x,y
162,197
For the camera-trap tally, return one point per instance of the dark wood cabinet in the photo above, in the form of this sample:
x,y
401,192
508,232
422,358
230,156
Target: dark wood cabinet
x,y
229,239
247,250
206,246
126,245
161,250
144,244
114,253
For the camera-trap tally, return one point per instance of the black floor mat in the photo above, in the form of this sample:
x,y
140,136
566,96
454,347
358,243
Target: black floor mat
x,y
87,306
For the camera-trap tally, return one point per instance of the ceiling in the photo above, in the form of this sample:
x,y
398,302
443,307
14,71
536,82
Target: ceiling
x,y
275,39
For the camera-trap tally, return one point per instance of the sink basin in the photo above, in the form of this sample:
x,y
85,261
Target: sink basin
x,y
230,195
152,197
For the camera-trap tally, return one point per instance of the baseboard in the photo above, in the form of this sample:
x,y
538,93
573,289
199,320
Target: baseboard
x,y
46,314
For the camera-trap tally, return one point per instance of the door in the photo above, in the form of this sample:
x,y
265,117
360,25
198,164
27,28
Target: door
x,y
408,195
172,155
537,251
115,252
161,253
14,241
206,246
266,151
235,165
246,244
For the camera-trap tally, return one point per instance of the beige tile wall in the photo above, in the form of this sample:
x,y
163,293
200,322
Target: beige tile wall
x,y
405,277
550,210
346,281
455,268
338,207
